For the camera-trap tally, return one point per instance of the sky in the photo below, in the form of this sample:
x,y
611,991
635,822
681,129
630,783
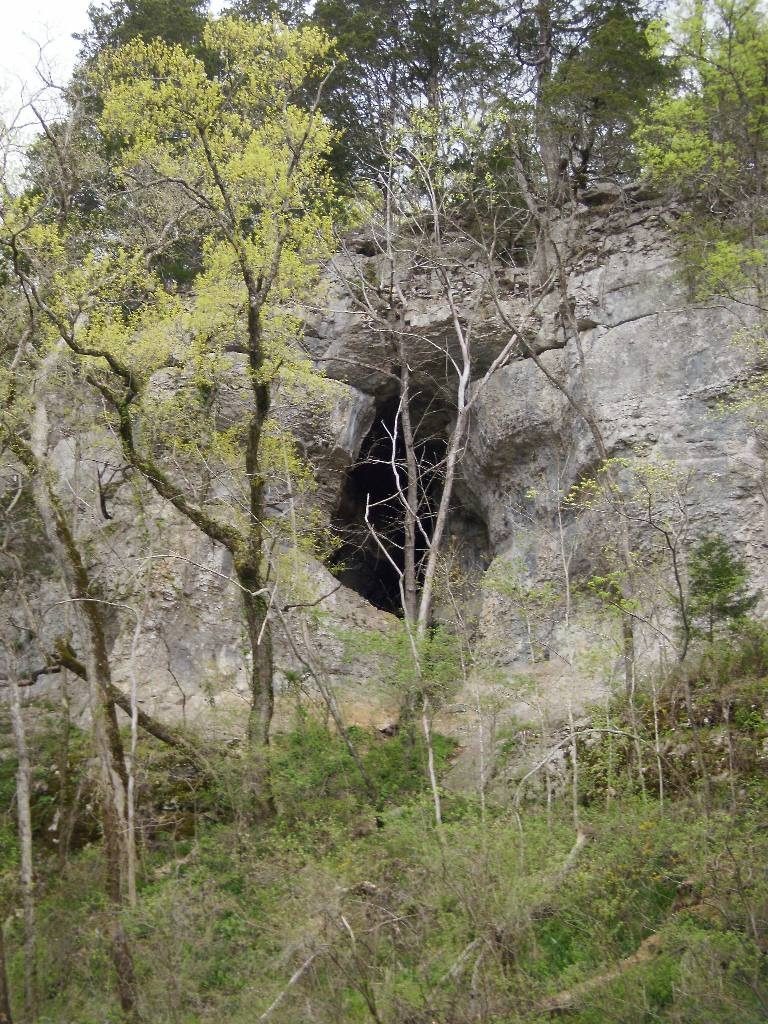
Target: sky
x,y
24,24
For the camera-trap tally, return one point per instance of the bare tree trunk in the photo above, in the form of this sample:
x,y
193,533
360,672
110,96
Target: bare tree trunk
x,y
690,709
628,654
5,997
545,741
130,795
249,569
574,771
66,801
726,709
426,726
411,503
482,770
24,815
106,734
548,150
441,519
115,829
259,635
565,559
657,743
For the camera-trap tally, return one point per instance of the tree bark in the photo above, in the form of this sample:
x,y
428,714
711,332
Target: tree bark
x,y
106,734
262,699
5,998
248,565
426,725
24,817
411,503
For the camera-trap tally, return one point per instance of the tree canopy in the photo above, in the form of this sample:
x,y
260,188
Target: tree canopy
x,y
115,22
707,142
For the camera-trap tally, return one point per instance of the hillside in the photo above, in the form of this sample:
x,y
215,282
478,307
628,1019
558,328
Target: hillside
x,y
383,552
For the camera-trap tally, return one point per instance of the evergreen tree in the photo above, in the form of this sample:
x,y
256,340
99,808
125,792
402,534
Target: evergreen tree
x,y
598,90
401,55
587,71
290,12
718,586
119,21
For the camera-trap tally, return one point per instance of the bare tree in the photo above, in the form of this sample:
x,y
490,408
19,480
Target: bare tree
x,y
423,235
5,995
24,817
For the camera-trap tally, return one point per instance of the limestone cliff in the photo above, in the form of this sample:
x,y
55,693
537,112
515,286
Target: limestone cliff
x,y
660,370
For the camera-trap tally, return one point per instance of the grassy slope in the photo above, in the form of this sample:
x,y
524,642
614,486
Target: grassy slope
x,y
661,916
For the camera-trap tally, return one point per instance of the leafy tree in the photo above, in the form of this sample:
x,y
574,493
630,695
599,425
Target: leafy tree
x,y
718,585
234,163
709,139
707,142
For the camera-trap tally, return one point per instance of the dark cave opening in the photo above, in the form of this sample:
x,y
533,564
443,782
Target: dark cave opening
x,y
360,563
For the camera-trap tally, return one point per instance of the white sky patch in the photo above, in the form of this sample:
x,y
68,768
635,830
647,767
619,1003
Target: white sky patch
x,y
25,26
28,26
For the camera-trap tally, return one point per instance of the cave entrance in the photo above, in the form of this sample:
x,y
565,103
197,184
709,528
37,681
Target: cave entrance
x,y
360,563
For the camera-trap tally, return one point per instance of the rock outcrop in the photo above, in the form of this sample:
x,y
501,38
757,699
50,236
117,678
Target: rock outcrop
x,y
659,370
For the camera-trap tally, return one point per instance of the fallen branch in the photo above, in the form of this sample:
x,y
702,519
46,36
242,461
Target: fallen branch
x,y
67,659
291,982
567,1000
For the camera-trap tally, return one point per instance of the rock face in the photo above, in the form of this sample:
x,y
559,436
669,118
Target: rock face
x,y
173,616
659,371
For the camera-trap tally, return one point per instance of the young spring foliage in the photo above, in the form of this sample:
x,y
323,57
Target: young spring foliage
x,y
707,140
220,158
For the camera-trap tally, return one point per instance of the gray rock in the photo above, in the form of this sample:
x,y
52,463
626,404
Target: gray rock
x,y
659,371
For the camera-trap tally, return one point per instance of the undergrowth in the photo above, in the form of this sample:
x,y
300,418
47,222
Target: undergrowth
x,y
348,909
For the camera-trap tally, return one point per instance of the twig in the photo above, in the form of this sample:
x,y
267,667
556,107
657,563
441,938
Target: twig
x,y
291,982
312,604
